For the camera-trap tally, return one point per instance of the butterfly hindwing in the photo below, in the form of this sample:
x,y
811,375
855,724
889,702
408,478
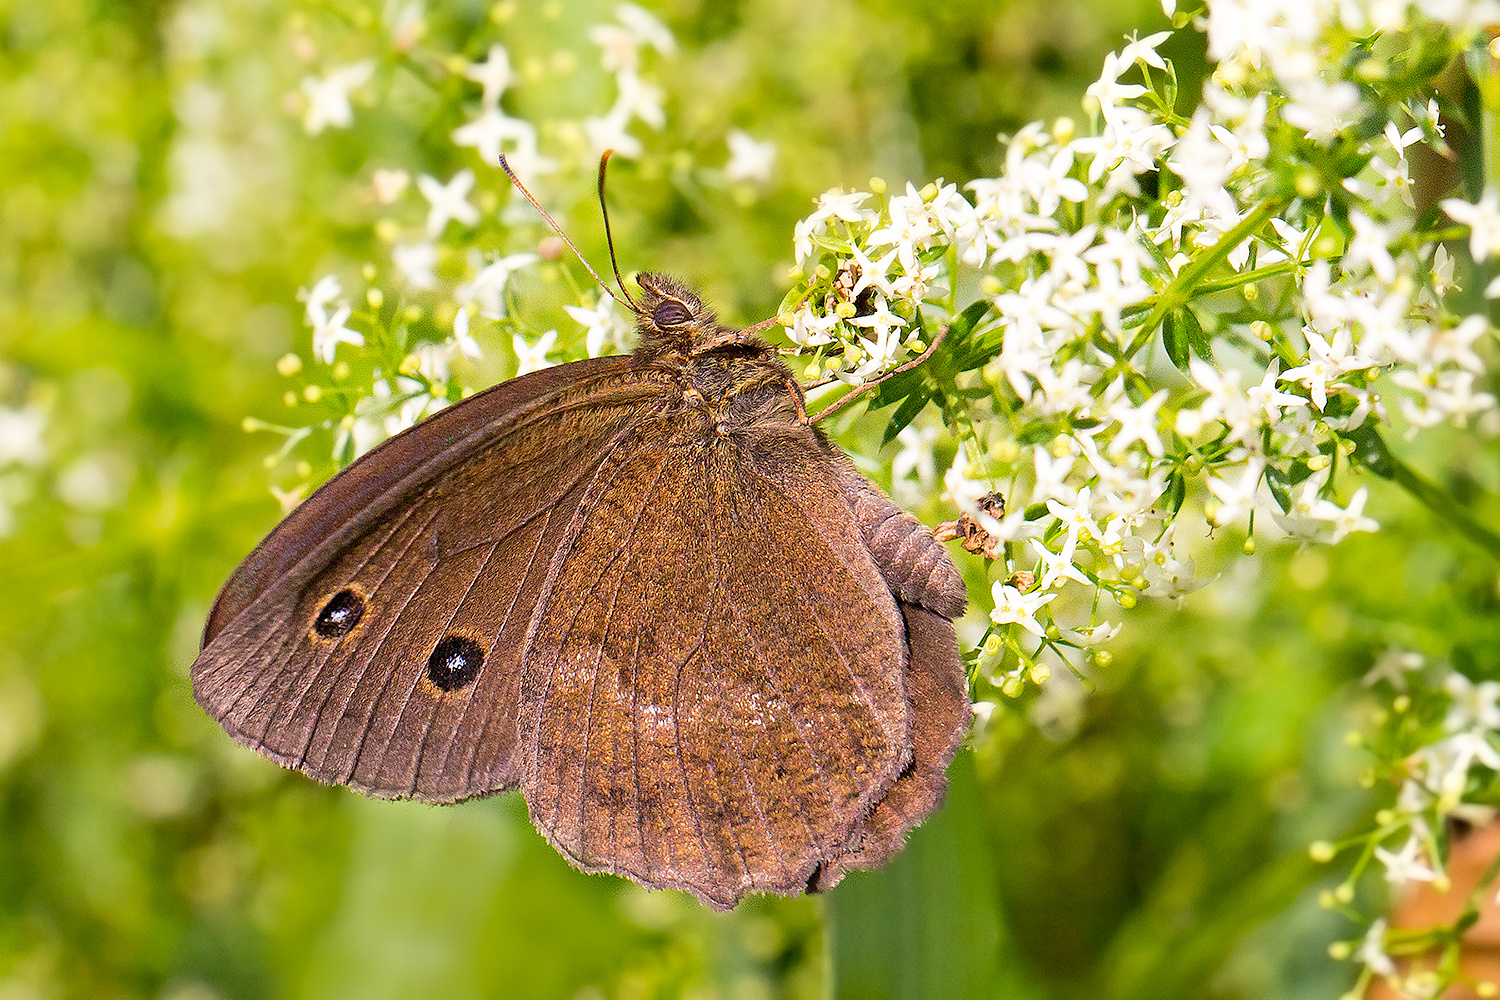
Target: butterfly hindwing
x,y
930,592
713,692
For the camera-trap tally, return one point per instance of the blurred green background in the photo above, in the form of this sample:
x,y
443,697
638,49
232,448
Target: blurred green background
x,y
160,208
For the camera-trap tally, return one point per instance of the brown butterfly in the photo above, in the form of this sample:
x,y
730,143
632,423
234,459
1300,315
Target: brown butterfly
x,y
646,590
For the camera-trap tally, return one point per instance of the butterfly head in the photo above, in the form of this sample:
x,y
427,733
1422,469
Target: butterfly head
x,y
673,320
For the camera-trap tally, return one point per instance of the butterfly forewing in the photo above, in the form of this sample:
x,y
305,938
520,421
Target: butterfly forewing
x,y
444,574
713,693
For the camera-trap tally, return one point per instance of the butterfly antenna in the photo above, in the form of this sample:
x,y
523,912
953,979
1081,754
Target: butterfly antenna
x,y
558,229
608,237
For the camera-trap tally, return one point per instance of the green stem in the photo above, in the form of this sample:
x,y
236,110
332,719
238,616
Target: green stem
x,y
1445,505
1246,278
1372,453
1177,294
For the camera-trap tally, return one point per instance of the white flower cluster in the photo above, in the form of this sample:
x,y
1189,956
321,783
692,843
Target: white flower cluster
x,y
621,45
1295,300
22,450
442,285
1455,758
425,257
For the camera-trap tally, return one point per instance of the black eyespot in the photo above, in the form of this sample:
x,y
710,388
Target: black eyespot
x,y
671,313
339,615
455,663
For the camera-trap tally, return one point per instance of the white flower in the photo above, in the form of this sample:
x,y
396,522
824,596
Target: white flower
x,y
1325,362
749,159
1321,109
620,48
880,319
329,330
603,323
1473,704
1483,220
415,261
388,185
1052,475
639,99
1108,91
1144,50
1372,950
1393,665
811,330
494,74
493,130
915,456
1059,565
1097,635
1370,245
1075,516
21,436
645,28
1015,608
1346,520
1236,499
1137,423
837,204
328,96
608,133
449,201
487,288
533,357
465,343
1408,865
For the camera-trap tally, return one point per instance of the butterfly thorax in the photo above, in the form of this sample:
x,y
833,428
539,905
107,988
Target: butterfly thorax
x,y
726,379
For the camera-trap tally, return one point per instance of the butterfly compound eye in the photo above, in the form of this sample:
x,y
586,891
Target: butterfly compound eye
x,y
339,616
671,313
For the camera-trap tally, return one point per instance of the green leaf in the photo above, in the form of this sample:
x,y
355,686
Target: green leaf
x,y
1280,489
925,925
1196,338
1175,493
1370,450
1174,337
906,413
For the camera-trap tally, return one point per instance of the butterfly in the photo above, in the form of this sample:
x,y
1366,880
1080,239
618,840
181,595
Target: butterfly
x,y
645,590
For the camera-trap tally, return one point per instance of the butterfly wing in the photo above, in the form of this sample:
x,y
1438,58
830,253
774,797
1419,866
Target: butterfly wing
x,y
713,693
373,638
930,592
